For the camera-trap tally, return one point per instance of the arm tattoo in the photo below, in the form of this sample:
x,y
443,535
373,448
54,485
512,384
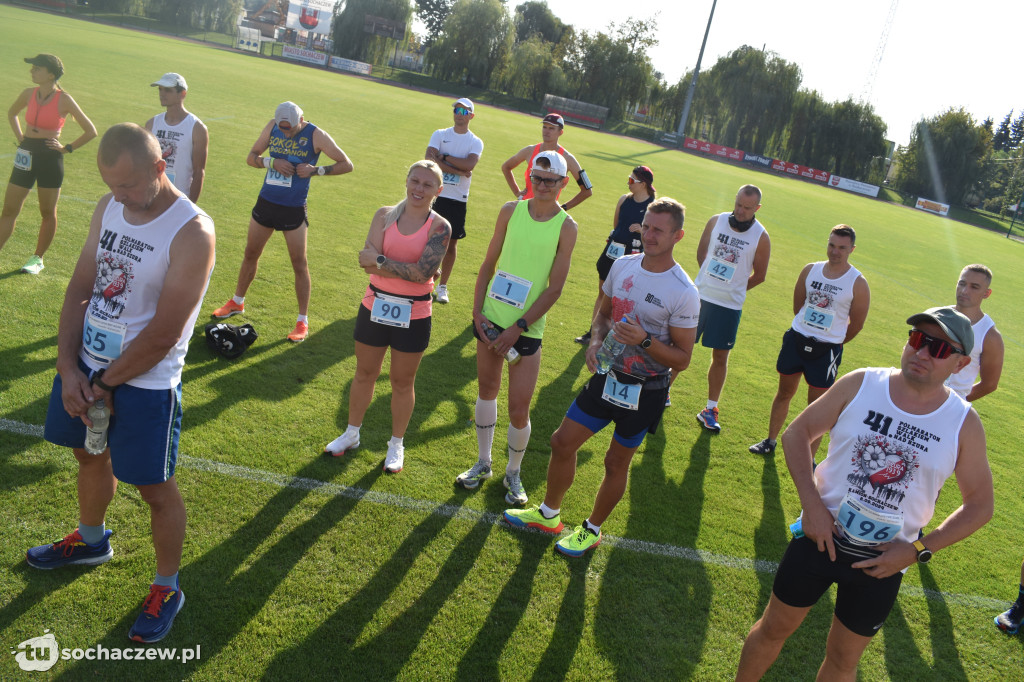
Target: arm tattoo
x,y
426,266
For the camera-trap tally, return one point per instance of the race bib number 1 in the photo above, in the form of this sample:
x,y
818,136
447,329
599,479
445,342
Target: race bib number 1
x,y
721,270
103,340
621,395
277,180
865,525
510,289
23,159
818,318
392,311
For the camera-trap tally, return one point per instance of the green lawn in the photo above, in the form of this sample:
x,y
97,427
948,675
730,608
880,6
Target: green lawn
x,y
296,564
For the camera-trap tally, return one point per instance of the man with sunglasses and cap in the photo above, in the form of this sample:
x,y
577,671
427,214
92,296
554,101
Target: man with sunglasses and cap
x,y
552,127
295,145
896,436
522,276
183,138
457,151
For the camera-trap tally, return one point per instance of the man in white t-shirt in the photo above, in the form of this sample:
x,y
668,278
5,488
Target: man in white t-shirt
x,y
184,140
986,365
456,150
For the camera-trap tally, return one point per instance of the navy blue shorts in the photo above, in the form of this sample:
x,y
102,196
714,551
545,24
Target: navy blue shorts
x,y
717,326
818,360
143,435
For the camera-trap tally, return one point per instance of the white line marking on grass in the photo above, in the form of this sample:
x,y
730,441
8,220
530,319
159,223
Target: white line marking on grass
x,y
464,513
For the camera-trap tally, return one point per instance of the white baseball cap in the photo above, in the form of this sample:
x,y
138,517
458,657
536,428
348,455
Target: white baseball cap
x,y
288,111
556,163
171,80
464,102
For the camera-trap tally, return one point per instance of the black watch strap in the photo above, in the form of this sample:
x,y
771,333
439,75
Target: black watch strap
x,y
97,379
646,343
521,323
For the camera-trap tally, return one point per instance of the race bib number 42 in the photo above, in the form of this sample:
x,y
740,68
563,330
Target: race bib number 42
x,y
103,340
720,270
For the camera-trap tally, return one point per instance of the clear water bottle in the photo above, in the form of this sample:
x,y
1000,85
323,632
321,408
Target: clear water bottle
x,y
512,355
96,435
609,350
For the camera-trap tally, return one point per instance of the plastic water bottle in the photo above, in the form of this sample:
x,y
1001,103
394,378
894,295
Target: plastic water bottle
x,y
96,435
512,355
609,350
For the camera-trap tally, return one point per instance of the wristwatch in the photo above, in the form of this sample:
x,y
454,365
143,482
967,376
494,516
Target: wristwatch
x,y
924,555
381,259
321,170
521,323
96,379
68,148
646,343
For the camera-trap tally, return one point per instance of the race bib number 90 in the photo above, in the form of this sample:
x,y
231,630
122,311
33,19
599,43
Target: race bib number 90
x,y
392,311
865,525
510,289
103,340
721,270
818,318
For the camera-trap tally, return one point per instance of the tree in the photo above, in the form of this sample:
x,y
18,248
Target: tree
x,y
1017,132
433,13
531,70
945,158
1001,139
352,42
534,18
476,39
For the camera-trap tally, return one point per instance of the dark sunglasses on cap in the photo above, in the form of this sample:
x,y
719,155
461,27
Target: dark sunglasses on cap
x,y
937,348
547,182
462,111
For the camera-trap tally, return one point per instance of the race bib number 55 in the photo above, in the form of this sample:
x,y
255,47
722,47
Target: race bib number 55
x,y
103,340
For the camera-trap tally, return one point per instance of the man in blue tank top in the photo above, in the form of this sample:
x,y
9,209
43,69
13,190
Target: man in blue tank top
x,y
294,144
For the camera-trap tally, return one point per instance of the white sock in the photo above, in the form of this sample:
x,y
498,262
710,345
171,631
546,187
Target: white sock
x,y
517,442
547,512
395,440
240,300
712,404
596,529
485,416
302,318
353,429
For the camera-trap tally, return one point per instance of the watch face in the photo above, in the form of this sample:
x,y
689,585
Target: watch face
x,y
924,556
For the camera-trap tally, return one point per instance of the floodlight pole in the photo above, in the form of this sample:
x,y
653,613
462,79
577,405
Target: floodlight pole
x,y
696,71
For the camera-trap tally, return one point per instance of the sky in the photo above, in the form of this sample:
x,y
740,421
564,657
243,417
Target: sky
x,y
939,54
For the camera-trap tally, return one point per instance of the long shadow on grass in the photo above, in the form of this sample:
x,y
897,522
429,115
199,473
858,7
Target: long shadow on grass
x,y
770,536
441,377
480,662
652,613
270,376
386,653
226,588
903,659
568,630
15,362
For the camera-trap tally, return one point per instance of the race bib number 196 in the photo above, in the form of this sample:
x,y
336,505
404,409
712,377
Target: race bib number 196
x,y
865,525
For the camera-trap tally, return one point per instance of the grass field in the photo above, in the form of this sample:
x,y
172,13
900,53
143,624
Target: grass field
x,y
299,565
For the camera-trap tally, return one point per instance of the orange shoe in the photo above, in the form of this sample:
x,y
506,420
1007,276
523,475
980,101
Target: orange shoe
x,y
228,309
300,332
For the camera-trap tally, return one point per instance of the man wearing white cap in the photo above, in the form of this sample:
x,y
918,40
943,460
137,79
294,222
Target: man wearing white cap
x,y
456,150
184,140
295,145
521,277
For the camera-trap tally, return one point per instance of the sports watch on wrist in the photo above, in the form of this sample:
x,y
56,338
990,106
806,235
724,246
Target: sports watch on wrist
x,y
646,343
381,259
521,323
321,170
924,555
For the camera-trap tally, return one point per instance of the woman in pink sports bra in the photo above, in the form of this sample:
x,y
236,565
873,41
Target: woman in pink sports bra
x,y
39,159
402,253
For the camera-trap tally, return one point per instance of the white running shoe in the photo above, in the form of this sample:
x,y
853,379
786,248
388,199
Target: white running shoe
x,y
343,443
395,460
516,493
442,293
477,474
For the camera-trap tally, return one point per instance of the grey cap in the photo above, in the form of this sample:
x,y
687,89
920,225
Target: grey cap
x,y
288,111
171,80
954,323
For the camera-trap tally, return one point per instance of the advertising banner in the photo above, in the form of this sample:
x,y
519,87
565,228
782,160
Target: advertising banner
x,y
854,186
350,65
932,206
310,15
716,149
758,160
303,55
800,171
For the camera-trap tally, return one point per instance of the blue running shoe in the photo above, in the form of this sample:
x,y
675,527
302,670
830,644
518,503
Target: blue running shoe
x,y
158,612
72,550
709,419
1009,621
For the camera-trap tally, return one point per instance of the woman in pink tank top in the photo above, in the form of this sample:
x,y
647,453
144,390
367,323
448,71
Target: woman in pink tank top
x,y
402,253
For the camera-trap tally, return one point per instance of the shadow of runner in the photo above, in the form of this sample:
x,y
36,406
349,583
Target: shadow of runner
x,y
221,599
771,535
385,654
480,662
15,362
569,624
660,601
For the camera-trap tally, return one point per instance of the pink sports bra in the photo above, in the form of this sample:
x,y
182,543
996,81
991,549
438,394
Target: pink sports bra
x,y
46,116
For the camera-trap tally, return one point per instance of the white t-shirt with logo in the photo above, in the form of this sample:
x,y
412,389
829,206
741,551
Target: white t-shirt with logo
x,y
447,141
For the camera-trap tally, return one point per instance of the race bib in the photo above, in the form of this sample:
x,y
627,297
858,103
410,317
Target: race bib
x,y
615,250
103,340
620,394
510,289
391,310
23,159
818,318
277,180
451,178
865,525
720,270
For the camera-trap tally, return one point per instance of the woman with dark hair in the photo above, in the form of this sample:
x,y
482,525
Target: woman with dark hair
x,y
40,155
402,253
625,236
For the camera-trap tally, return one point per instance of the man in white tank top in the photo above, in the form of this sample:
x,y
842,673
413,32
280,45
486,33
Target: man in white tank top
x,y
184,140
830,304
149,250
972,288
896,436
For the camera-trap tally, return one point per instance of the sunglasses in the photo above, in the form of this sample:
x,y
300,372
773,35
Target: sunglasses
x,y
937,348
462,111
547,182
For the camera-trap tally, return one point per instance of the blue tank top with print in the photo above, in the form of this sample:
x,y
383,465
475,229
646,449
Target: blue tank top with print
x,y
292,190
